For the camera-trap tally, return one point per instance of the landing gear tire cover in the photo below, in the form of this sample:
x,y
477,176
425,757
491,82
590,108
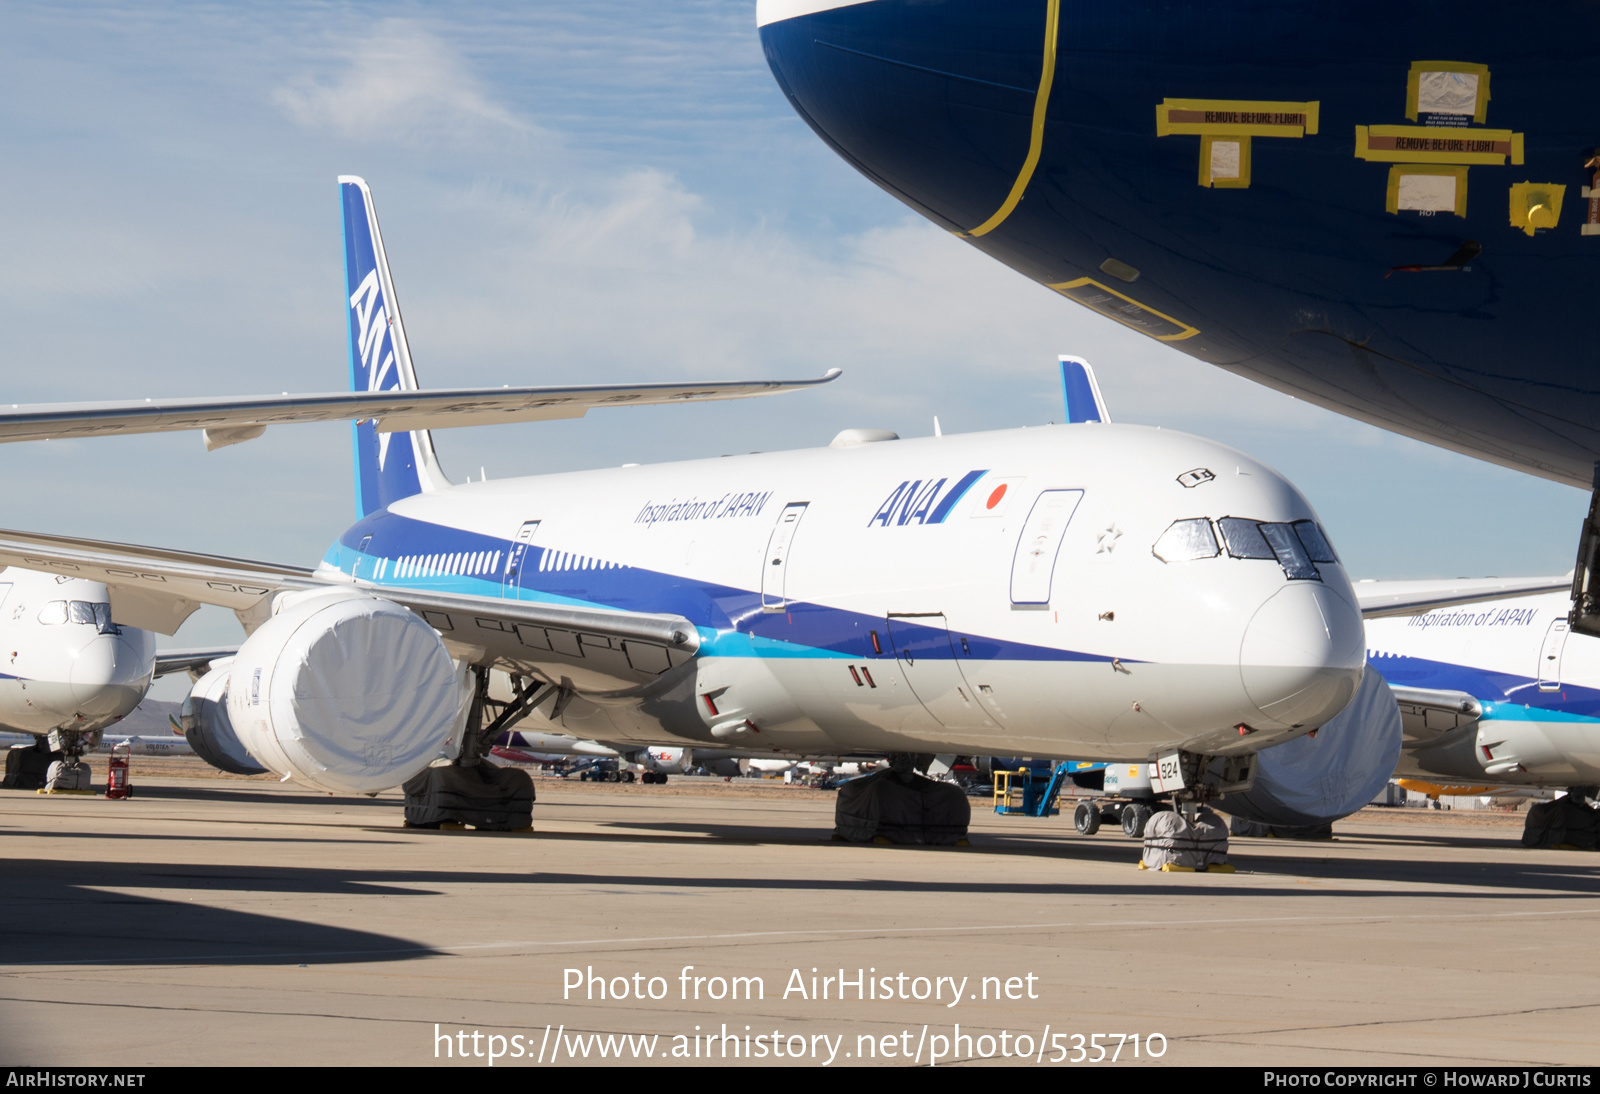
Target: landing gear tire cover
x,y
901,807
489,798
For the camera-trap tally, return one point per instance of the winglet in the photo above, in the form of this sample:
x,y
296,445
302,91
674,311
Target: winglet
x,y
1084,402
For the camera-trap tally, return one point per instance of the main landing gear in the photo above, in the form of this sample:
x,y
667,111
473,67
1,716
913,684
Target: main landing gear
x,y
896,805
470,791
1569,823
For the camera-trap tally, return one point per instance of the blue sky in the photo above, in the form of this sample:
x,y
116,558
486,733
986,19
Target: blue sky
x,y
569,191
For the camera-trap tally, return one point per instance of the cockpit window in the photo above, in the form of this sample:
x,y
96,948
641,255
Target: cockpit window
x,y
1187,540
1245,539
79,611
1291,552
102,619
1317,545
1266,540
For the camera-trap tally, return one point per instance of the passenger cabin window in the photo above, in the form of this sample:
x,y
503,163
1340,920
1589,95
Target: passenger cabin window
x,y
1187,540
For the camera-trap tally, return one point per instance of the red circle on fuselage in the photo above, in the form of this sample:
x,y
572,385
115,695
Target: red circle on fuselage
x,y
994,498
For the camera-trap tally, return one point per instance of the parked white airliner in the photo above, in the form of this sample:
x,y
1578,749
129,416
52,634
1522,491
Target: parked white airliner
x,y
1495,693
69,669
65,667
1090,590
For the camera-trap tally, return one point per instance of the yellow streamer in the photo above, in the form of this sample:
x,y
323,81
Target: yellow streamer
x,y
1036,140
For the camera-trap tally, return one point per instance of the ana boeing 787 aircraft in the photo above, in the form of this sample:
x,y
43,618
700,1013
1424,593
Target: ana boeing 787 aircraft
x,y
68,670
1499,693
1088,589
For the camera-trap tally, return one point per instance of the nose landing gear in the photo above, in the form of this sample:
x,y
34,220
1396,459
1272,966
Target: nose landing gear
x,y
69,774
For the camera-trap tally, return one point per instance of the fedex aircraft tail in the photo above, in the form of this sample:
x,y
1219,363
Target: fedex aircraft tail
x,y
389,466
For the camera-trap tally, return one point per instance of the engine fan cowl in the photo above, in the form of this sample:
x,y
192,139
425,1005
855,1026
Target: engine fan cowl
x,y
208,729
346,692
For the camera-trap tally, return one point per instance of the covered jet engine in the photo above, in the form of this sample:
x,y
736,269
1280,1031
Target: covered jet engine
x,y
346,692
1316,779
206,726
662,759
659,761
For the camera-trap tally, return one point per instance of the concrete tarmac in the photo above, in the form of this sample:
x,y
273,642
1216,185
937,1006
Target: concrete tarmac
x,y
231,921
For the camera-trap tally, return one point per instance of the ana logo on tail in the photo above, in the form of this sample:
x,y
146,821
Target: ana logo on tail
x,y
373,318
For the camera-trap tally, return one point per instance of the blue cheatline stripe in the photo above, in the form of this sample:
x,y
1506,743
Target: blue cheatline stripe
x,y
729,619
942,510
1520,712
1505,695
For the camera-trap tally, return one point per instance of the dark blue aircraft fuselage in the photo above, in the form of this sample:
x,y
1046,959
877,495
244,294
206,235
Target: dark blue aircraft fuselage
x,y
1378,207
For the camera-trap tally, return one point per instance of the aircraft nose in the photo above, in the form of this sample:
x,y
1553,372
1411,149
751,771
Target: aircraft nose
x,y
1303,654
110,675
938,108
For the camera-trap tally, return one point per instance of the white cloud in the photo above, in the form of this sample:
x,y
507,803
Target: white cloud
x,y
398,82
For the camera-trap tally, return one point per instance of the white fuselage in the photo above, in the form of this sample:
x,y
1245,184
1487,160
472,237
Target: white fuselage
x,y
992,594
1538,685
847,602
63,664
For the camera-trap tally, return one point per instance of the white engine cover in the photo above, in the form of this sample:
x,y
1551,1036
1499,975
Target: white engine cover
x,y
207,728
346,692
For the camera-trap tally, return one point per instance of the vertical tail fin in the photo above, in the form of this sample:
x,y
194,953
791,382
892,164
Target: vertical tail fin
x,y
389,466
1083,399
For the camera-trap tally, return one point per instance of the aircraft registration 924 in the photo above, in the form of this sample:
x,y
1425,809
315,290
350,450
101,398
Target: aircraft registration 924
x,y
1086,589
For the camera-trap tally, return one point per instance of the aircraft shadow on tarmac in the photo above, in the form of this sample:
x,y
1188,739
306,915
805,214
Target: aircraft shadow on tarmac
x,y
260,792
58,913
1541,874
70,913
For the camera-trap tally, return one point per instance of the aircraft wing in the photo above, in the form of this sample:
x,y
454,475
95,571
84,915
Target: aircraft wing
x,y
459,617
190,660
157,589
232,420
153,588
1427,714
1385,598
